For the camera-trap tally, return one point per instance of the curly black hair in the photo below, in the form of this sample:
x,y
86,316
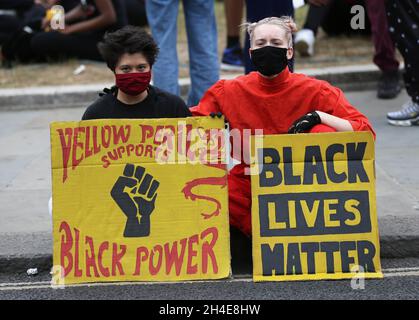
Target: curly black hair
x,y
128,39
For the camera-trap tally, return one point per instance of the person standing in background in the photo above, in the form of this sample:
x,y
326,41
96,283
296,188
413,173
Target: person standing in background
x,y
385,51
201,30
334,16
403,20
232,59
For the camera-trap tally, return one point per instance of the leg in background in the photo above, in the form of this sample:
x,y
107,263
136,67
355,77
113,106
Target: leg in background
x,y
162,19
201,30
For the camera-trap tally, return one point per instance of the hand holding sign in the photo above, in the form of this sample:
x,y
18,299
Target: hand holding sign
x,y
144,190
305,123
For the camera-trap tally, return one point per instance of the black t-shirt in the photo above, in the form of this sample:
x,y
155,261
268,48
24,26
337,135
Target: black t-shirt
x,y
157,104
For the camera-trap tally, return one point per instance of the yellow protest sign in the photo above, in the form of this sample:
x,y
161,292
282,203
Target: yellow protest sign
x,y
314,207
140,200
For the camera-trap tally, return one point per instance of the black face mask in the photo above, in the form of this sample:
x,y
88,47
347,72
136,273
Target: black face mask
x,y
269,60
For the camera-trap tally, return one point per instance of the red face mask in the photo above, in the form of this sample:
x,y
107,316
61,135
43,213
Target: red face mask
x,y
133,83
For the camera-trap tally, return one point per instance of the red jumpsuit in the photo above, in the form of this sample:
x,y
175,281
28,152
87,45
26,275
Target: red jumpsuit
x,y
255,102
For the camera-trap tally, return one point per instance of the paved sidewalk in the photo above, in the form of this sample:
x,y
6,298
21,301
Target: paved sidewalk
x,y
25,229
348,78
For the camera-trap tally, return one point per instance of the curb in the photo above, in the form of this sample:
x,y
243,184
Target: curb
x,y
348,78
49,97
392,247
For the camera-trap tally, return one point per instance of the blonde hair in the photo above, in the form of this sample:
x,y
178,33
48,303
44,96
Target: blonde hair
x,y
285,22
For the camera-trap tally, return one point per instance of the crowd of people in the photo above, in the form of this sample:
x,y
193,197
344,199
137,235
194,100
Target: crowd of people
x,y
27,35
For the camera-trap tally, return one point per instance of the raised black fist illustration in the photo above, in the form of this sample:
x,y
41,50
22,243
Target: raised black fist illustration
x,y
137,203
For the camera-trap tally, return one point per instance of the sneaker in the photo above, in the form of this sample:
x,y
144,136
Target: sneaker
x,y
232,59
389,85
408,116
304,42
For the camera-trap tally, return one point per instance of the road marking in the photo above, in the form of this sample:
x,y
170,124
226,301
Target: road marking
x,y
47,284
23,283
401,269
388,273
402,274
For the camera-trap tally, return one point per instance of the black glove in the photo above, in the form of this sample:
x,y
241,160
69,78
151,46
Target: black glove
x,y
305,123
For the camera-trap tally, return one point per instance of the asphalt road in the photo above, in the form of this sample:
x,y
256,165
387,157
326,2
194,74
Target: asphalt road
x,y
401,281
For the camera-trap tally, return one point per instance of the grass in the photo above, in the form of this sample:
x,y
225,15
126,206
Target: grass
x,y
330,51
